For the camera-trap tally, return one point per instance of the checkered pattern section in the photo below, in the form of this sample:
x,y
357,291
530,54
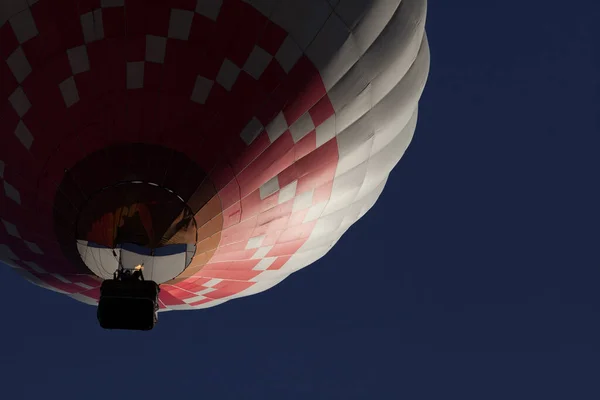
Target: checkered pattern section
x,y
63,64
290,108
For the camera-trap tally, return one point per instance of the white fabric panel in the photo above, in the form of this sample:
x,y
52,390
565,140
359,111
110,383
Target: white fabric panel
x,y
356,110
302,19
202,89
395,123
87,26
68,89
135,75
180,307
6,253
11,229
180,24
369,200
206,291
19,65
213,282
356,142
78,58
255,242
269,276
100,261
304,258
92,26
24,26
354,155
61,278
333,51
8,8
268,188
12,193
368,20
288,54
287,193
351,12
156,48
301,127
381,163
19,101
315,212
346,188
397,108
326,131
209,8
24,135
264,263
257,62
194,299
98,25
412,28
228,74
393,51
251,131
303,201
277,127
34,248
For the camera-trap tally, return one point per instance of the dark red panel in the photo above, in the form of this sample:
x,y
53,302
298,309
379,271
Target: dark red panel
x,y
85,6
307,85
272,76
232,215
251,205
321,111
272,37
8,82
297,232
267,163
229,288
8,41
113,20
228,274
169,299
285,249
280,262
239,232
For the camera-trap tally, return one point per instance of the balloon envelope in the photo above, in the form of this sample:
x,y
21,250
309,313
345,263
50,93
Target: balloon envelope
x,y
220,144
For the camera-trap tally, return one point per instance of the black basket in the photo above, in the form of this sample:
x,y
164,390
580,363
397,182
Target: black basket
x,y
130,305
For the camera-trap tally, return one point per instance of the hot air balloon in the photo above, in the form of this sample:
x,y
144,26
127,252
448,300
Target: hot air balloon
x,y
177,154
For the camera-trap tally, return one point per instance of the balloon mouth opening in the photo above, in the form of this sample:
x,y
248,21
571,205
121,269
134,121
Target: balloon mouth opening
x,y
136,225
141,213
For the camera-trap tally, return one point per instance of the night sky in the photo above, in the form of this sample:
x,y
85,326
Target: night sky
x,y
475,276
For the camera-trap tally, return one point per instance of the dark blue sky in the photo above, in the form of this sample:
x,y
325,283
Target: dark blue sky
x,y
474,277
